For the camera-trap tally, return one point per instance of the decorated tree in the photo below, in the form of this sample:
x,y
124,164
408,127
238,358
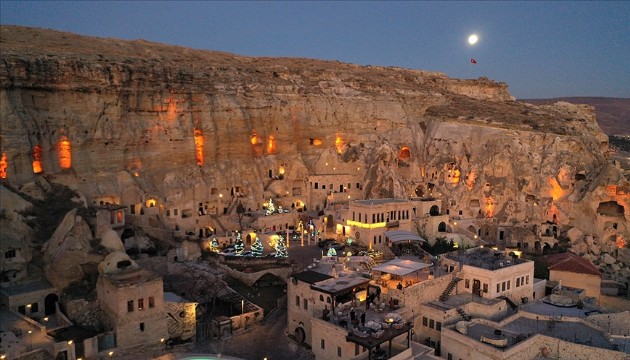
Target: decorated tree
x,y
214,245
238,245
257,247
331,252
271,208
281,249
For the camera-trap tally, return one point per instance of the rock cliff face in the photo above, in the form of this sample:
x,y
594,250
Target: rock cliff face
x,y
131,122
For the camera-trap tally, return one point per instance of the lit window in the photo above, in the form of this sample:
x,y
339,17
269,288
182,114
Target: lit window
x,y
140,304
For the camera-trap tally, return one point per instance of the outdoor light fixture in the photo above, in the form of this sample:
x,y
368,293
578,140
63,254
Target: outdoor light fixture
x,y
111,353
69,342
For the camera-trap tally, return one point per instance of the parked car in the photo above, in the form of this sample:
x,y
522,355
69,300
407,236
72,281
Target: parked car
x,y
337,246
325,243
228,251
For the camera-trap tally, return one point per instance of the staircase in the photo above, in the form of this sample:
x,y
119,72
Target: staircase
x,y
463,314
449,288
509,301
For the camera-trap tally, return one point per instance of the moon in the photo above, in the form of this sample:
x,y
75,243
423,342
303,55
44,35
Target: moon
x,y
472,39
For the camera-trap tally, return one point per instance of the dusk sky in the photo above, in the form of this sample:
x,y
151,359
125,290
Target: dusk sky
x,y
541,49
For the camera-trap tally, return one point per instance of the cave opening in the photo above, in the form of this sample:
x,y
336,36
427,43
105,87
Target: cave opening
x,y
610,208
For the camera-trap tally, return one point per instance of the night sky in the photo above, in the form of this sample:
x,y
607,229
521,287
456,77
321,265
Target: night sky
x,y
541,49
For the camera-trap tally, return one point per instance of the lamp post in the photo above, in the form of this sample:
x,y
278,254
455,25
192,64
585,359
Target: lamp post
x,y
30,339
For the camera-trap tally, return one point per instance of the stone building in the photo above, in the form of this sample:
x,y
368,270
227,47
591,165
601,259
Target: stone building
x,y
574,271
489,274
368,220
132,300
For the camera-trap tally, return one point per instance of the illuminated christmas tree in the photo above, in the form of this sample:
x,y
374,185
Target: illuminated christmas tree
x,y
331,252
281,249
257,247
214,245
238,245
271,208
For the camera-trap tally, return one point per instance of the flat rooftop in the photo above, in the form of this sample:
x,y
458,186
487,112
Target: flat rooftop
x,y
340,284
522,328
484,258
455,301
17,289
380,201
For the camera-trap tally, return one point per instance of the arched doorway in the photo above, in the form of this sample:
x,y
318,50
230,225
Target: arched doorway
x,y
50,304
442,227
420,191
472,229
404,153
248,239
434,211
300,335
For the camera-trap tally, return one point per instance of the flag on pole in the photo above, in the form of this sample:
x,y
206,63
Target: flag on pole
x,y
473,61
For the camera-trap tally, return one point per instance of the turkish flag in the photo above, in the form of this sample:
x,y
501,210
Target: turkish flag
x,y
473,61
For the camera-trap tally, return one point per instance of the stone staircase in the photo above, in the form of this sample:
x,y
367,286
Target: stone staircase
x,y
509,301
451,285
463,314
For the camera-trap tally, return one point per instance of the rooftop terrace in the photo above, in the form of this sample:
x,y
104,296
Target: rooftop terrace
x,y
484,258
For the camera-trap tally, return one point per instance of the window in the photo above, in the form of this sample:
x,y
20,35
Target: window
x,y
431,323
34,307
141,326
323,344
438,326
297,300
339,351
498,288
356,349
467,283
424,321
129,305
140,304
175,212
305,304
9,254
321,298
485,287
349,186
168,212
449,356
328,300
508,286
503,286
518,282
151,302
527,279
323,187
316,186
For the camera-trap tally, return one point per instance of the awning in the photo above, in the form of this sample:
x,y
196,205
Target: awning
x,y
410,264
402,235
393,269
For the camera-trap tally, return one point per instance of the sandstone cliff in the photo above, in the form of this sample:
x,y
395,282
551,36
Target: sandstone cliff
x,y
132,121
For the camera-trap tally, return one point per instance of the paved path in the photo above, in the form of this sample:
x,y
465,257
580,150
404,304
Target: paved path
x,y
267,340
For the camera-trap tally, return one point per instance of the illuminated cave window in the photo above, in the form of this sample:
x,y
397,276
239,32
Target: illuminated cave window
x,y
405,153
37,159
3,166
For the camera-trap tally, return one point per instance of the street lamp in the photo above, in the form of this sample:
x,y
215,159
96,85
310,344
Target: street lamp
x,y
242,307
30,339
